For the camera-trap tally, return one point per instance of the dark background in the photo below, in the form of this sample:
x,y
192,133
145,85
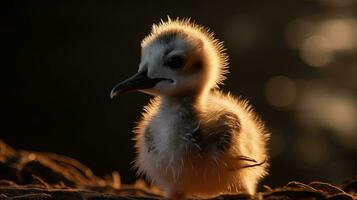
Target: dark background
x,y
294,60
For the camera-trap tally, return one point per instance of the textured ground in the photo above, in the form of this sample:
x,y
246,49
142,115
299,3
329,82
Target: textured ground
x,y
46,176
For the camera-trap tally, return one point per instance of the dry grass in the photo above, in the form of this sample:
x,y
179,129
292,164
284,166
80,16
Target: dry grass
x,y
45,176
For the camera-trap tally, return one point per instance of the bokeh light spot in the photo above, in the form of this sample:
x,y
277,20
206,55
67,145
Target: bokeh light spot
x,y
331,110
341,33
316,51
280,91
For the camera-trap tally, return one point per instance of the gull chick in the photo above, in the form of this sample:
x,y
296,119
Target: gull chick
x,y
193,139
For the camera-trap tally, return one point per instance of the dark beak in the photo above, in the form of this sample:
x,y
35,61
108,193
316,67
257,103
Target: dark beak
x,y
138,81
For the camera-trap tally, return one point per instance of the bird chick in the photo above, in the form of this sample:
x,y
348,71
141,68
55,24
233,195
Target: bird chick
x,y
193,140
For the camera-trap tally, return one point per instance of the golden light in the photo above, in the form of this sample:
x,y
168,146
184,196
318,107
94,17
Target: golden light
x,y
318,40
316,51
340,114
330,109
280,91
32,156
341,33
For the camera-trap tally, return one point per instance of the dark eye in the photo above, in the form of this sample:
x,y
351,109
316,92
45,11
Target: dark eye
x,y
175,62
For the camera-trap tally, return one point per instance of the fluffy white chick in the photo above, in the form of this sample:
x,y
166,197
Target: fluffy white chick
x,y
193,140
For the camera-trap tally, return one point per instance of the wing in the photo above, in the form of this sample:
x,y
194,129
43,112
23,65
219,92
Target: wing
x,y
221,129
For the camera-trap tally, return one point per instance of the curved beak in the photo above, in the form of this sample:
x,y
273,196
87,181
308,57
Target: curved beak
x,y
137,82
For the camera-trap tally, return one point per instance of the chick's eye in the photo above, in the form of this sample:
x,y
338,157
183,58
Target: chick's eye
x,y
175,62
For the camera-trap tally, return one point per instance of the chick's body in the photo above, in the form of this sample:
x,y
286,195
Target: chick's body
x,y
192,138
199,151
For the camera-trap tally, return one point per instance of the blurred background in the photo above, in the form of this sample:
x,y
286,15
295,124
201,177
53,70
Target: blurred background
x,y
296,61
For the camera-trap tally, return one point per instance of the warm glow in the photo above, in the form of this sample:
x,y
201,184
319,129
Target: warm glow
x,y
316,51
331,110
280,91
341,33
319,40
